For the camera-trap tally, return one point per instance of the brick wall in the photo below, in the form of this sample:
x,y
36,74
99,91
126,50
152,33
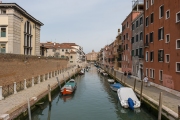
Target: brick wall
x,y
14,68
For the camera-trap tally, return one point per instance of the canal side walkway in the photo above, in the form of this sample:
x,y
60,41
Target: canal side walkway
x,y
16,104
170,101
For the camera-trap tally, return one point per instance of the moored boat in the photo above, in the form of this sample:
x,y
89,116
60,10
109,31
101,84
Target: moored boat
x,y
111,80
105,74
69,87
115,86
128,98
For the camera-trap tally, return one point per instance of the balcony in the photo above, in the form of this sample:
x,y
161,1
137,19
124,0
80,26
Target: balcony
x,y
119,50
119,59
146,45
138,5
141,56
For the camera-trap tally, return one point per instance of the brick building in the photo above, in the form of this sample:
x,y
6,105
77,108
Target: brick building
x,y
20,32
162,42
126,36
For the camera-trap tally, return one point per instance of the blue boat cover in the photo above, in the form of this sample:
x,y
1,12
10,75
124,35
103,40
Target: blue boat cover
x,y
131,103
116,85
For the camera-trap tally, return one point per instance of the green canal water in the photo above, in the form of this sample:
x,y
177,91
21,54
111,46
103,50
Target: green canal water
x,y
92,100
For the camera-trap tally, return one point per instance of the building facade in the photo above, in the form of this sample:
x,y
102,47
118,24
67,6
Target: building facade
x,y
137,46
162,42
20,32
92,56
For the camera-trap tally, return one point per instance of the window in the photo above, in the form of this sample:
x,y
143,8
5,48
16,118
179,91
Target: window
x,y
3,11
147,54
140,53
3,32
151,56
62,50
126,35
147,21
167,38
141,20
71,57
127,25
141,36
147,4
147,71
151,73
71,61
132,40
151,37
152,17
178,44
126,46
66,50
160,75
167,14
178,17
147,41
160,55
177,66
133,26
137,38
136,52
2,48
161,11
161,33
152,2
137,24
132,53
27,38
167,58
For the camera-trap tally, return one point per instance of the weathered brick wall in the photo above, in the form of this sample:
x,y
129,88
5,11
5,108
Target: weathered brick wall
x,y
14,68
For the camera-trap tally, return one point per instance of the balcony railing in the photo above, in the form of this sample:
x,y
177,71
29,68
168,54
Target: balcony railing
x,y
138,2
141,56
146,44
119,50
119,59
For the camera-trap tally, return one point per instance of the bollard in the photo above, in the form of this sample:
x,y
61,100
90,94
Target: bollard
x,y
25,84
178,110
1,96
54,73
134,84
44,77
15,88
29,110
141,90
32,81
49,93
47,76
58,83
160,106
39,79
63,78
51,74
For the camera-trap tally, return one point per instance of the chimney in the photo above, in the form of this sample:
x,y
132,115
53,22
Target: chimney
x,y
118,31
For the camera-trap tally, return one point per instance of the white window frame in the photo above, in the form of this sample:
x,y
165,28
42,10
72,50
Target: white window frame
x,y
146,22
152,2
176,44
160,75
176,17
147,4
166,58
153,17
166,14
150,55
166,38
163,55
150,73
176,66
160,12
0,32
162,37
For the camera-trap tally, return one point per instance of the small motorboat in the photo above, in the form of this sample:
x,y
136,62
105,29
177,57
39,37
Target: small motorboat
x,y
128,98
81,72
111,80
105,74
115,86
69,87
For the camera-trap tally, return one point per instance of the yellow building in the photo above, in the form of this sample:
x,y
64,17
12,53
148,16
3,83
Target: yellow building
x,y
93,56
19,31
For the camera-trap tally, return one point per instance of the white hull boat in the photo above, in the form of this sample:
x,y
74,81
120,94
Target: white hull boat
x,y
128,98
105,74
111,80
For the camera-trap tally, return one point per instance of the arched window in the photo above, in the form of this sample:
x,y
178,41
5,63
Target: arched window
x,y
27,38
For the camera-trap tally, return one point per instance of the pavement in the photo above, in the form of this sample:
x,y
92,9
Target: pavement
x,y
17,103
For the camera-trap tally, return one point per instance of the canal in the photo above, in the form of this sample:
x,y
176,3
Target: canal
x,y
92,100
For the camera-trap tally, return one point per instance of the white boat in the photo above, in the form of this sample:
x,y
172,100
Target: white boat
x,y
111,80
105,74
124,94
101,71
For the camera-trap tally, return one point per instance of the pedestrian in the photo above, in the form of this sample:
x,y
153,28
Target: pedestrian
x,y
125,73
129,75
145,81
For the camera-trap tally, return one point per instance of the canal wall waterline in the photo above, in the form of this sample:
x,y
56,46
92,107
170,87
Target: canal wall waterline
x,y
167,114
16,104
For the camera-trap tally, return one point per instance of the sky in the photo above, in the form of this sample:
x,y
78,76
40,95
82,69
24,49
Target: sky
x,y
91,24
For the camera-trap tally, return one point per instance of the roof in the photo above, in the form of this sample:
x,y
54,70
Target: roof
x,y
5,5
71,44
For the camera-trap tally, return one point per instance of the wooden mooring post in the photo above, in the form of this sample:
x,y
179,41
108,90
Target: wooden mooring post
x,y
49,93
160,106
29,109
134,84
141,90
58,83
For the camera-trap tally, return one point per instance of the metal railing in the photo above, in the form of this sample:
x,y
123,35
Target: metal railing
x,y
138,2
